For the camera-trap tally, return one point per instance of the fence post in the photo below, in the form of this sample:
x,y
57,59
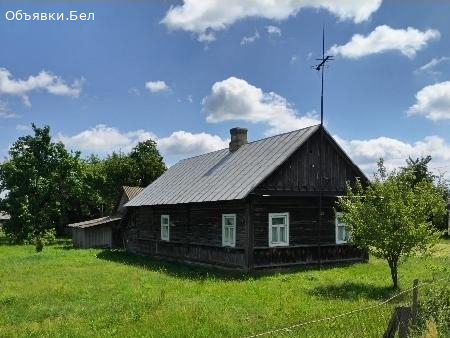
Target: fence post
x,y
415,301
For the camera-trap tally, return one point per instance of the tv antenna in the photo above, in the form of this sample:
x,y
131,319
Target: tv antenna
x,y
320,67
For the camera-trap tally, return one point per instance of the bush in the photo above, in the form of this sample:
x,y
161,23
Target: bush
x,y
435,307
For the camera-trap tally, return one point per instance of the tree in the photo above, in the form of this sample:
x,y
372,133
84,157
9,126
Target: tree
x,y
42,180
391,217
140,167
417,170
147,163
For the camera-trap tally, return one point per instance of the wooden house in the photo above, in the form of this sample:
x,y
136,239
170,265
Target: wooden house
x,y
251,206
104,232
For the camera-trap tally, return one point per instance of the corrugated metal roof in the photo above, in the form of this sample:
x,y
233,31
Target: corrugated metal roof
x,y
95,222
222,175
132,192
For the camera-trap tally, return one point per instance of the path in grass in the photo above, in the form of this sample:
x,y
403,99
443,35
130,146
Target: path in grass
x,y
64,292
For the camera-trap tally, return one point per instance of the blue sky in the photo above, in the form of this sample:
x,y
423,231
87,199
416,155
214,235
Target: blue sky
x,y
185,72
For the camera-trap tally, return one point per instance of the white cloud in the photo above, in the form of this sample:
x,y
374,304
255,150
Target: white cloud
x,y
433,102
235,99
366,153
5,112
273,30
250,39
183,143
180,144
43,81
206,17
157,86
190,98
383,39
429,67
104,139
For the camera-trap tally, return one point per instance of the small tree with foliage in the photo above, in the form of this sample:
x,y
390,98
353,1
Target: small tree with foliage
x,y
391,217
43,181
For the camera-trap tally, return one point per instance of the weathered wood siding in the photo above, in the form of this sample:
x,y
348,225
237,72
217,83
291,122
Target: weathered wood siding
x,y
303,219
304,235
93,237
300,172
195,232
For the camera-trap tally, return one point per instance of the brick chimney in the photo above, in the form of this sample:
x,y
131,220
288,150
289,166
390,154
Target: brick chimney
x,y
238,138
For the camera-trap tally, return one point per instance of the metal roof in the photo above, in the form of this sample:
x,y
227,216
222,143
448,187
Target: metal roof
x,y
131,192
95,222
222,175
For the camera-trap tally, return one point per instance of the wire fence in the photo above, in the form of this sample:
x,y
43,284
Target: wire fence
x,y
369,321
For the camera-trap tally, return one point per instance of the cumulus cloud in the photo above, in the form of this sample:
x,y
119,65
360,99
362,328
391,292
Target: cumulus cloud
x,y
273,30
366,153
103,139
383,39
45,80
250,39
157,86
431,65
433,102
206,17
185,144
236,99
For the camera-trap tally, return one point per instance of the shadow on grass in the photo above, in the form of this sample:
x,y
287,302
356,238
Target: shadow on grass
x,y
180,270
352,291
191,271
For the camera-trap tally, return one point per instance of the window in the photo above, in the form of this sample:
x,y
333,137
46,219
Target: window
x,y
229,230
342,230
279,229
165,227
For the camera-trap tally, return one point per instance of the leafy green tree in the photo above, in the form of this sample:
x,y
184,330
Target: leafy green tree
x,y
140,167
417,170
43,182
391,217
147,163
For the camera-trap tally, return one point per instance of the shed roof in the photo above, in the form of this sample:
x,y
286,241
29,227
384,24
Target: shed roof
x,y
222,175
132,192
95,222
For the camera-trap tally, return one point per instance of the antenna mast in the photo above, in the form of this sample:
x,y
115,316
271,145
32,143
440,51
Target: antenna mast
x,y
321,67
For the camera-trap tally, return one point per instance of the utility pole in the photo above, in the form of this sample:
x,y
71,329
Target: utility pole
x,y
321,68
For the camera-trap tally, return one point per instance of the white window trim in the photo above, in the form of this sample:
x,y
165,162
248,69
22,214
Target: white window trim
x,y
168,228
278,214
338,224
233,242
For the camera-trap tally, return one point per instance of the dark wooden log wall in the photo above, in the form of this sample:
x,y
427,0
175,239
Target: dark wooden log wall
x,y
303,219
303,233
195,232
300,172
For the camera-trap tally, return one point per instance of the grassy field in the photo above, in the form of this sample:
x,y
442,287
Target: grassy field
x,y
65,292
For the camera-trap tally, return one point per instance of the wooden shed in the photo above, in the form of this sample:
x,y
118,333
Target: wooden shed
x,y
104,232
250,206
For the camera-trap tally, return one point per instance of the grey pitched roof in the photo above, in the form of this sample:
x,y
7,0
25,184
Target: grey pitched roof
x,y
222,175
95,222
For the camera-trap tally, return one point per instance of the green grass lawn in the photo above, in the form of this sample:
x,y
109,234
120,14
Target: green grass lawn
x,y
65,292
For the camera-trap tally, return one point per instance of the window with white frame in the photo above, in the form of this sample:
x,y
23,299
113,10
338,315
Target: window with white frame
x,y
165,227
279,229
229,230
342,230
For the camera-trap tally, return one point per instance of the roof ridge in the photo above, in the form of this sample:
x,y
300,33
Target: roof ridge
x,y
261,139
